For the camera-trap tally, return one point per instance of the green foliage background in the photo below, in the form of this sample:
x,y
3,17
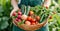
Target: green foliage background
x,y
6,22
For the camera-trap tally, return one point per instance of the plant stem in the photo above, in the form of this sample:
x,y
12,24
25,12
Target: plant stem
x,y
42,18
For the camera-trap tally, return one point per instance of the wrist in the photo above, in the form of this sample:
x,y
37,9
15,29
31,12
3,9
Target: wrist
x,y
16,8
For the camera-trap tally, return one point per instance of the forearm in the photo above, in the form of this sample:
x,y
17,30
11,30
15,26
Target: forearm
x,y
14,4
47,3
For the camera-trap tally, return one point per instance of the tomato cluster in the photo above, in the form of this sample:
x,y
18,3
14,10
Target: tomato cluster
x,y
32,19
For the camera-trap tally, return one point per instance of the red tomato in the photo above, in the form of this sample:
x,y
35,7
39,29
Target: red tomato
x,y
36,22
33,19
29,18
37,18
31,13
14,14
33,23
27,22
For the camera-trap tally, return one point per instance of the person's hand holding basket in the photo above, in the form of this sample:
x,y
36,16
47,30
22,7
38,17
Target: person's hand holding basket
x,y
30,18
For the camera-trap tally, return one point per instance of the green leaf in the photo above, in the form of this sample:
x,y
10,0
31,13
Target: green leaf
x,y
1,10
1,14
0,19
42,18
3,25
5,18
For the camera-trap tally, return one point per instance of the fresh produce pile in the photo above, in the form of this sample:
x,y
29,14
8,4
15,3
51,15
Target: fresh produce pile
x,y
30,15
31,19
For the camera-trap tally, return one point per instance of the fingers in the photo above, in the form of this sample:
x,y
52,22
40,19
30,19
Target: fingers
x,y
13,11
47,3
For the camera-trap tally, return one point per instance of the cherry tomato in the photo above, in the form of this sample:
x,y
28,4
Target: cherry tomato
x,y
29,18
36,22
31,13
37,18
27,22
33,19
33,23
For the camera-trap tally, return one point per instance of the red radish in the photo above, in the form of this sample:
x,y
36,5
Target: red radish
x,y
27,22
17,19
31,13
24,17
33,19
33,23
19,13
14,14
38,18
19,16
29,18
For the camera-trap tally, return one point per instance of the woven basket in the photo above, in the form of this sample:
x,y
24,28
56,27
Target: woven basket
x,y
31,27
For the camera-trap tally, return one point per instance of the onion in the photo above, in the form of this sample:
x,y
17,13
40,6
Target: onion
x,y
24,17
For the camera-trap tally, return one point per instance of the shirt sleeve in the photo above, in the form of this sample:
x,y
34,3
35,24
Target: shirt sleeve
x,y
19,1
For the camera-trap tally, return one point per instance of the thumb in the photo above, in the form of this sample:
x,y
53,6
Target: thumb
x,y
12,12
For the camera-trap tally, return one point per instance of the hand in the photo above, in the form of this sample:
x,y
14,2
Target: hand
x,y
15,9
47,3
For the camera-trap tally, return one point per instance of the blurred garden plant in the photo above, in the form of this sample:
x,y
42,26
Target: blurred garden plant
x,y
5,8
